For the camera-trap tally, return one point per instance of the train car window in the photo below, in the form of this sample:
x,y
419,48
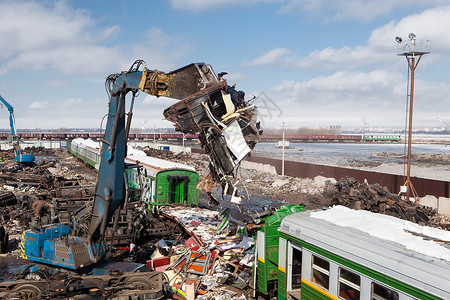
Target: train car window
x,y
349,285
296,268
321,272
380,292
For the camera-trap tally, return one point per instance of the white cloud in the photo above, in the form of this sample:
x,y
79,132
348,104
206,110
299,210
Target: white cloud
x,y
380,48
361,10
233,77
345,98
342,98
202,5
431,25
59,84
271,57
160,50
69,113
343,87
39,105
53,36
70,104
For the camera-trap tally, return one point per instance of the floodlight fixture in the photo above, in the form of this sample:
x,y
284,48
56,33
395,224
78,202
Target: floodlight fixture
x,y
398,39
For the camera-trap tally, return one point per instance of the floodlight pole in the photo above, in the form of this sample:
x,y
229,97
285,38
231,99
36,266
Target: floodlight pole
x,y
412,65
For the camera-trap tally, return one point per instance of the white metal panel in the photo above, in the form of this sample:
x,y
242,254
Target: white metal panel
x,y
260,241
282,255
235,140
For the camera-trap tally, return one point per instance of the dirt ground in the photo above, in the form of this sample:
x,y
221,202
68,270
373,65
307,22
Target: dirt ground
x,y
259,190
269,189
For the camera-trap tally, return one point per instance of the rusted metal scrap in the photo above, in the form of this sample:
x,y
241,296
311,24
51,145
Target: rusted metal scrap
x,y
44,284
226,123
7,199
375,198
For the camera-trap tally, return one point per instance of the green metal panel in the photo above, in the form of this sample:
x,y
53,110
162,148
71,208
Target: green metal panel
x,y
268,270
396,284
163,194
262,279
282,284
308,293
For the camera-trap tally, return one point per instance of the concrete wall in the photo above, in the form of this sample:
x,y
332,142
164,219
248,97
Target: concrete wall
x,y
441,204
29,144
444,206
423,186
173,148
266,168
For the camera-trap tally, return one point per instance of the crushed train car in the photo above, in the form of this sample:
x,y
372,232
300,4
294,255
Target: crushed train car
x,y
154,182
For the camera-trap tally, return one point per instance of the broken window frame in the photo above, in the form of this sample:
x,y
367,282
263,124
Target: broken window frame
x,y
320,272
349,281
391,294
290,284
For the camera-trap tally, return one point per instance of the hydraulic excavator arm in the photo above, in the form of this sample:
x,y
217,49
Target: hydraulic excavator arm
x,y
207,105
13,139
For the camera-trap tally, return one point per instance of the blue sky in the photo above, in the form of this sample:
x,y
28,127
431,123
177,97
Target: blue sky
x,y
311,63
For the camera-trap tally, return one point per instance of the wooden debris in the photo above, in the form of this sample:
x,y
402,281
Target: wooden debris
x,y
375,198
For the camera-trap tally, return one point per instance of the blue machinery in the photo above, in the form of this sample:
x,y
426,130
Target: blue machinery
x,y
13,139
82,242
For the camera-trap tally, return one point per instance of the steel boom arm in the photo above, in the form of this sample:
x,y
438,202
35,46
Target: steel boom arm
x,y
178,84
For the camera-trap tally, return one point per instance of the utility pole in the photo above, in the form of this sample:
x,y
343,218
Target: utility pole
x,y
411,50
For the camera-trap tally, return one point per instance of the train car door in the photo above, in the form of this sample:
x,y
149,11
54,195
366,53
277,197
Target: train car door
x,y
294,271
178,188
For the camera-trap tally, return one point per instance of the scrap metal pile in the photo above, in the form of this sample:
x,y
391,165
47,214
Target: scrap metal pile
x,y
199,248
348,192
30,190
226,122
213,263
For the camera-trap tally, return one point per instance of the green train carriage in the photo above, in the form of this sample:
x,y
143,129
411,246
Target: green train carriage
x,y
382,138
318,259
89,154
267,238
163,182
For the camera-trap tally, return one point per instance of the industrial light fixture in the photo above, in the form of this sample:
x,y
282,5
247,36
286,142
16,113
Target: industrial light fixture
x,y
398,39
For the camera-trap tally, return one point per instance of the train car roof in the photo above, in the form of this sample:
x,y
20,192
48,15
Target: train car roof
x,y
397,248
152,164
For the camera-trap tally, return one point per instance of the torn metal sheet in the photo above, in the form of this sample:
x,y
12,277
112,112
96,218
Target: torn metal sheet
x,y
226,123
210,260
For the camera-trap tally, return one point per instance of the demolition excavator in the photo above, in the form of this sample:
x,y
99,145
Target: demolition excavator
x,y
13,138
227,129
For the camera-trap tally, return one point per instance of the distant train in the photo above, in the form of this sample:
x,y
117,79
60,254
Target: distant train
x,y
382,138
313,137
98,136
162,182
339,138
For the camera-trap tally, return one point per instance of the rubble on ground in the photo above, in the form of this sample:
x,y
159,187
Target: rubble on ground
x,y
22,185
215,262
203,253
375,198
